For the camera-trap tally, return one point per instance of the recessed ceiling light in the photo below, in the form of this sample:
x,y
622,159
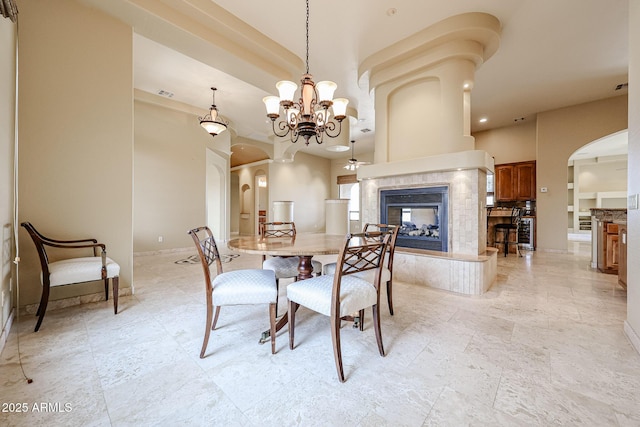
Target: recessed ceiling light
x,y
392,11
483,120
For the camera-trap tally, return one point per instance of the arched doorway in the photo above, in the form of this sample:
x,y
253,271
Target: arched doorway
x,y
596,178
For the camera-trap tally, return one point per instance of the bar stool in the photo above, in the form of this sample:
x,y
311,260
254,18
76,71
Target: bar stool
x,y
506,229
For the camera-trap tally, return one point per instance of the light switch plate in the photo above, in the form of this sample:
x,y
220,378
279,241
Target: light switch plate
x,y
632,202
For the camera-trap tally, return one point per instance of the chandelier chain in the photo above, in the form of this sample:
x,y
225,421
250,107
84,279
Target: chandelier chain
x,y
309,116
307,37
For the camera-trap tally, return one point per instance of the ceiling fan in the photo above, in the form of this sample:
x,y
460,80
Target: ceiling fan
x,y
353,164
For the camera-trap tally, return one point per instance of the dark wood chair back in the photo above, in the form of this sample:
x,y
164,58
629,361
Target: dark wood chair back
x,y
277,229
207,252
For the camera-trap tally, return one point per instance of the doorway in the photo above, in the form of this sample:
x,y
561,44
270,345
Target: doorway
x,y
596,178
261,199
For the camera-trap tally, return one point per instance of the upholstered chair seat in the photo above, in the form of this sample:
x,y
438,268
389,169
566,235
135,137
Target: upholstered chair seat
x,y
78,270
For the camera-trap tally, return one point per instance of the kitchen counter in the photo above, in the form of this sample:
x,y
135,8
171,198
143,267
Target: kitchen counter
x,y
601,218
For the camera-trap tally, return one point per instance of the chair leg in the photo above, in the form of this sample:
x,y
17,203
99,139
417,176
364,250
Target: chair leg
x,y
277,294
361,320
389,294
207,329
116,287
292,321
273,311
42,308
506,242
376,325
337,352
215,318
106,289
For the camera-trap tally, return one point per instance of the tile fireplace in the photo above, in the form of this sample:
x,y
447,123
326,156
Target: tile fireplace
x,y
445,243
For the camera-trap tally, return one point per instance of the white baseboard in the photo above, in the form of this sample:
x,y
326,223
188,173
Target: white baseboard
x,y
6,330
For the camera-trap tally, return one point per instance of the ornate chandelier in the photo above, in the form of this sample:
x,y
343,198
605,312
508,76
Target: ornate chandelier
x,y
309,115
212,123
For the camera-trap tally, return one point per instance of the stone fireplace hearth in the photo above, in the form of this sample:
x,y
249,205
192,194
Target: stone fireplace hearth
x,y
467,265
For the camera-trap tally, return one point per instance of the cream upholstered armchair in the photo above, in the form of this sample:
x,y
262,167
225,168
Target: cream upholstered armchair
x,y
344,293
238,287
73,270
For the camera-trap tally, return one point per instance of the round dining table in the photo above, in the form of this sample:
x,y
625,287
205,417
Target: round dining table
x,y
303,245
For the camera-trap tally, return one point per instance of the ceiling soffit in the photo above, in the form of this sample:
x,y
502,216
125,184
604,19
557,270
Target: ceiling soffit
x,y
206,32
473,36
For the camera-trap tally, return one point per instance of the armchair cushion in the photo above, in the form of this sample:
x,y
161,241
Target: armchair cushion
x,y
315,293
78,270
244,287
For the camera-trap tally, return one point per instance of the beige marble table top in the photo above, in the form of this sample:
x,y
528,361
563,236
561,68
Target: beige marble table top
x,y
303,244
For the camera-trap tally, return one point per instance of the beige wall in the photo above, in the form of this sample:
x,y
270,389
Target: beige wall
x,y
633,216
560,133
170,177
7,120
75,134
306,182
509,144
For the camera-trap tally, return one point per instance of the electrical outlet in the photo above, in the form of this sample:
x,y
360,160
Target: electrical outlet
x,y
632,202
160,239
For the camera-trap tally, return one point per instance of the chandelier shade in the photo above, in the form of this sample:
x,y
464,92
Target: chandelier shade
x,y
310,114
212,123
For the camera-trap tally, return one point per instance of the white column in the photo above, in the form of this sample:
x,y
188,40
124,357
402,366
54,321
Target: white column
x,y
283,211
337,216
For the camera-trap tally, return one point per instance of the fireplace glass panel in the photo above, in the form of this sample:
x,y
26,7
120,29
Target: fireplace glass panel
x,y
421,214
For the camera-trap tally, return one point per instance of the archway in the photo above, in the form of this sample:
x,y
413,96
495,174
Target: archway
x,y
596,178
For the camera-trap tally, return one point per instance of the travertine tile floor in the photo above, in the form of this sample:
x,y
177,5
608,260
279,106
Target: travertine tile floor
x,y
545,346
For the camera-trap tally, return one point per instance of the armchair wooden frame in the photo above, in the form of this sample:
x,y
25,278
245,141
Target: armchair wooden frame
x,y
42,241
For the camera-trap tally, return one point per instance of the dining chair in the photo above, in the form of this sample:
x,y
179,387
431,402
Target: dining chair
x,y
344,293
238,287
72,270
285,267
387,271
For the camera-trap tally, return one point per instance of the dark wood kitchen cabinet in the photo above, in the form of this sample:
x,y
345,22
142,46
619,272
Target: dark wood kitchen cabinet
x,y
515,181
608,247
622,255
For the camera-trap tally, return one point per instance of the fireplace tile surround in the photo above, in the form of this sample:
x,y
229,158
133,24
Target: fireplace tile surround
x,y
469,267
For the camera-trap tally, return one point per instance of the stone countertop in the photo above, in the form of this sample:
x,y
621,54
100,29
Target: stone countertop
x,y
609,214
